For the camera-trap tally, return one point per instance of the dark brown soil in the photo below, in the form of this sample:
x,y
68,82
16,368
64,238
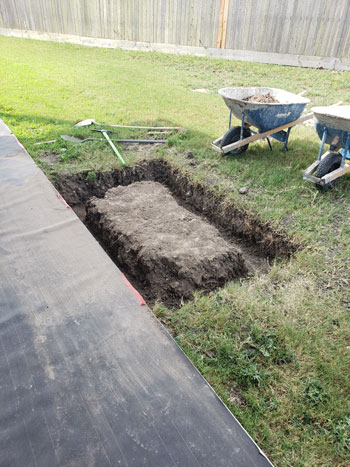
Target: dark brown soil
x,y
264,99
159,243
258,241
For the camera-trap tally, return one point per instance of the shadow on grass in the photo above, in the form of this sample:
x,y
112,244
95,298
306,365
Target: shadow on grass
x,y
25,119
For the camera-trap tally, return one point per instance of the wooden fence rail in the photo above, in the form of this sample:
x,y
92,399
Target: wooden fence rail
x,y
311,28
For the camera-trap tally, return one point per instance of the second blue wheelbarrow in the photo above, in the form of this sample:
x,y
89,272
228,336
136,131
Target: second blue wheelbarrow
x,y
333,128
273,118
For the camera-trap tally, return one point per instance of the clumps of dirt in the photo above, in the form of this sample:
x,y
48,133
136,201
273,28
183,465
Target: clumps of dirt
x,y
263,99
231,219
258,241
159,243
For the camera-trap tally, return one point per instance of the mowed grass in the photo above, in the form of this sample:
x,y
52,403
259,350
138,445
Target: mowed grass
x,y
276,347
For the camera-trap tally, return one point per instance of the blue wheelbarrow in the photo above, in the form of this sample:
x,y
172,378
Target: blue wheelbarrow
x,y
333,127
272,120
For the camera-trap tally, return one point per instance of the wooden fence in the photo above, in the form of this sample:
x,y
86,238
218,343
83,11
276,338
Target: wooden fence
x,y
298,27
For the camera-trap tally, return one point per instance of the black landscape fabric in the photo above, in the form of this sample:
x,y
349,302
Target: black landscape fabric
x,y
88,377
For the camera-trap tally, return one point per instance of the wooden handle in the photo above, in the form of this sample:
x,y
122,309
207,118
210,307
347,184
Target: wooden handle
x,y
257,136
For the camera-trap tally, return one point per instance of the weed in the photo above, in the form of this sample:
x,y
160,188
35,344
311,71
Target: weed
x,y
341,432
91,177
314,392
249,374
271,346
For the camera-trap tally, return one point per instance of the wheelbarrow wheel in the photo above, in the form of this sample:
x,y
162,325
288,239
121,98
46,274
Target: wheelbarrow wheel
x,y
327,165
232,136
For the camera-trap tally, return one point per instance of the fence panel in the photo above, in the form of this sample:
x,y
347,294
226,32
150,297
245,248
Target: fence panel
x,y
298,27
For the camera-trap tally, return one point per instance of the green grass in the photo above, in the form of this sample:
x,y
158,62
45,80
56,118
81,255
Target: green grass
x,y
277,347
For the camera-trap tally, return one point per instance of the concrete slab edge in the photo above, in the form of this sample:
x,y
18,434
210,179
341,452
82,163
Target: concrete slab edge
x,y
330,63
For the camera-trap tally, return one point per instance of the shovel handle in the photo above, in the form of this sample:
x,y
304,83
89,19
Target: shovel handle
x,y
133,127
115,150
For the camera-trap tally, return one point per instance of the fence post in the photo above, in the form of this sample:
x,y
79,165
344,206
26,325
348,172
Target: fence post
x,y
222,24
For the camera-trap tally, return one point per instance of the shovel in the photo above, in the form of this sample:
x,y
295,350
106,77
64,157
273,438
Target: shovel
x,y
73,139
91,121
115,150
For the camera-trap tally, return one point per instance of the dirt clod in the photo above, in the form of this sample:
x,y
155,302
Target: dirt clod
x,y
243,191
160,243
264,99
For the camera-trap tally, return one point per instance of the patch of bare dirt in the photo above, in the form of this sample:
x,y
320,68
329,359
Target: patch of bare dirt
x,y
236,398
50,158
169,249
258,241
264,99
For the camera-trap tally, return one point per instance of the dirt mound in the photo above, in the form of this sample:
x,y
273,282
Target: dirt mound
x,y
159,243
233,221
263,99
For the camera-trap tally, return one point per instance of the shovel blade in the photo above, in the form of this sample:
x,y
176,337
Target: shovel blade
x,y
88,122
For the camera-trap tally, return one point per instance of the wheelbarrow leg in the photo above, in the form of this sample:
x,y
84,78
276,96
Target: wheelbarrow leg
x,y
230,119
285,146
242,125
324,136
268,140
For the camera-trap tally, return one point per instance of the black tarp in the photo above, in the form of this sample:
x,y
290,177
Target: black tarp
x,y
88,377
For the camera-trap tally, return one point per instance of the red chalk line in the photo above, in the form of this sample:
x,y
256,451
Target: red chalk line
x,y
59,196
136,294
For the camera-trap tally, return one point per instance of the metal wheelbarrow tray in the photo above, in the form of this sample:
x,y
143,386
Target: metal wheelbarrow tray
x,y
333,127
270,119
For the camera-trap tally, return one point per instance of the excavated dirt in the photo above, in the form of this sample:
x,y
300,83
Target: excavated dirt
x,y
264,99
159,243
258,241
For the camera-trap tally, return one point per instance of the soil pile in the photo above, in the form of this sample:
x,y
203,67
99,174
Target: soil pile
x,y
263,99
160,244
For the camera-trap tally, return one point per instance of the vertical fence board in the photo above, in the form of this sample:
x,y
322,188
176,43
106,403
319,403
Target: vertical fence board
x,y
344,43
299,27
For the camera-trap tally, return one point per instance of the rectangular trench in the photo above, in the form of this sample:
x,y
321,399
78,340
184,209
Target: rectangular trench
x,y
254,242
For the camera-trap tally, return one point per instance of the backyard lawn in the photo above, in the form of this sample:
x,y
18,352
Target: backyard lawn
x,y
276,346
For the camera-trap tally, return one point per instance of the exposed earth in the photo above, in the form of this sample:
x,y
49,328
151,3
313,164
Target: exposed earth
x,y
258,242
171,250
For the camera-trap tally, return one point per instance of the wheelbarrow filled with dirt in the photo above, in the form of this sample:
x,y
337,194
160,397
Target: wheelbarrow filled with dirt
x,y
333,127
273,112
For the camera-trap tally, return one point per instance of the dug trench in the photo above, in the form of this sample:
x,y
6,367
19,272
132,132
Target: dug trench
x,y
168,234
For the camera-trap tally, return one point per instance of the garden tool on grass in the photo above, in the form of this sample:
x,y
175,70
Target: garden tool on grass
x,y
141,141
110,142
74,139
105,132
91,121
